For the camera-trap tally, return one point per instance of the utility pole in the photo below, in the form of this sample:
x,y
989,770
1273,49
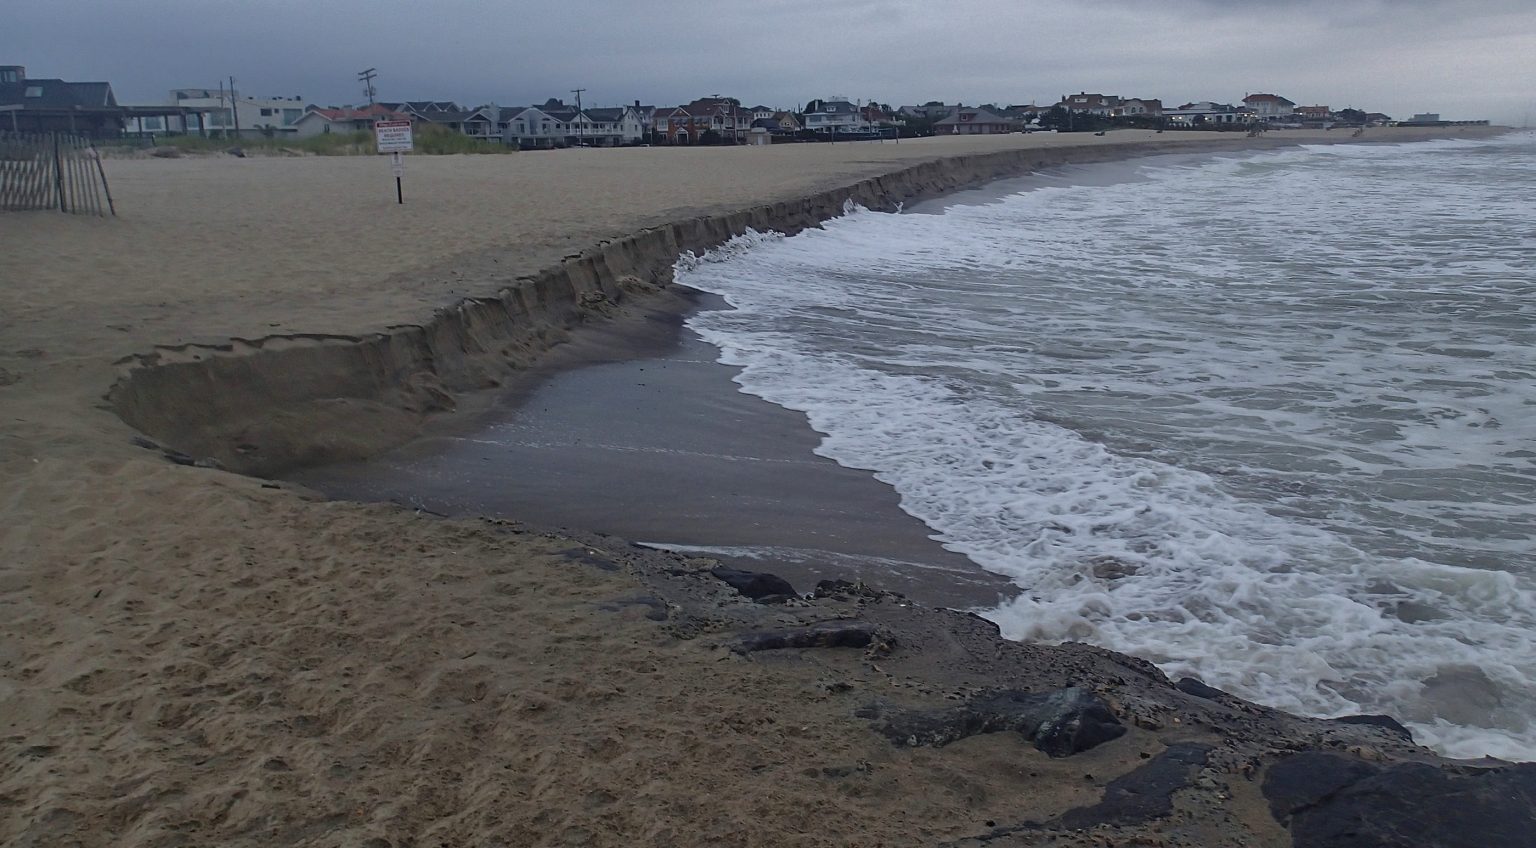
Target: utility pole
x,y
234,104
579,116
366,78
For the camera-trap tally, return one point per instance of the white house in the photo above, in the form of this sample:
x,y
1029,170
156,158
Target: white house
x,y
319,121
836,115
222,112
1270,107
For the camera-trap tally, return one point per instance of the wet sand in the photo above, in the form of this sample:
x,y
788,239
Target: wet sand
x,y
661,447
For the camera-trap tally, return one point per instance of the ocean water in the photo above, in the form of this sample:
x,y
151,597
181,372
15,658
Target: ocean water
x,y
1268,420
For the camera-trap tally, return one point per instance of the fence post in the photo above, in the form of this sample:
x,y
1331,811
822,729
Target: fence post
x,y
58,173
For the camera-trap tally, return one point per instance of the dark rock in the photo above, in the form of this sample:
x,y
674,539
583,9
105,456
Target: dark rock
x,y
1342,802
847,590
827,634
1191,686
180,458
1060,723
140,441
1145,793
1387,723
757,585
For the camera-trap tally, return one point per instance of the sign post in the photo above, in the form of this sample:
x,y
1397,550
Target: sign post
x,y
394,138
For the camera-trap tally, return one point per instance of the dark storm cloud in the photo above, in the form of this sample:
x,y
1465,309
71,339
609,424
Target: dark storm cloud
x,y
1469,59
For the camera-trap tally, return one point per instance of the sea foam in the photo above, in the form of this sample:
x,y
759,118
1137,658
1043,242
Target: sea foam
x,y
1265,420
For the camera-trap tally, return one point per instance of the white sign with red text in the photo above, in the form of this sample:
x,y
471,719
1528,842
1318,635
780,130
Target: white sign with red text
x,y
393,136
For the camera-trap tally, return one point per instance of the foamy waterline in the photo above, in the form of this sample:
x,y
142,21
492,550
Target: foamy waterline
x,y
1158,464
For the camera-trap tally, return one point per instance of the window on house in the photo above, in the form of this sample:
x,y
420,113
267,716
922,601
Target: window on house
x,y
154,124
266,113
34,91
292,116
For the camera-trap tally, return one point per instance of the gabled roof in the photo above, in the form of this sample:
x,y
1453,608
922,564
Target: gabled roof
x,y
376,112
1267,98
836,107
58,94
608,114
975,116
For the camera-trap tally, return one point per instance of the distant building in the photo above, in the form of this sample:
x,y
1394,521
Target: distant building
x,y
1270,107
1139,108
224,112
1314,114
1207,113
318,121
1090,104
687,124
836,116
1425,118
975,121
53,105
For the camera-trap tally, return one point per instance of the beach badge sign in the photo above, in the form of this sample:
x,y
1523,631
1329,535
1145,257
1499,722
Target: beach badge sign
x,y
394,138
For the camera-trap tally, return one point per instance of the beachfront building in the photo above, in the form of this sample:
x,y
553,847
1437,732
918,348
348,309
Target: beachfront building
x,y
557,124
786,122
228,113
1314,114
1208,113
1271,108
1083,103
422,108
933,110
1134,107
975,121
689,123
318,121
836,116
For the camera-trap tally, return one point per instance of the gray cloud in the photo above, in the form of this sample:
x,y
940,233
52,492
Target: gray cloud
x,y
1464,59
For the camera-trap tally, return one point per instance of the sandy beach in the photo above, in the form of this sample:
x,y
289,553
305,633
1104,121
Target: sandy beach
x,y
192,656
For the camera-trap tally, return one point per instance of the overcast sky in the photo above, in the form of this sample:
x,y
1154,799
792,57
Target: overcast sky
x,y
1470,59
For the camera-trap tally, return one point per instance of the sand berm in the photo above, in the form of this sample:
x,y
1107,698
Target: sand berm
x,y
194,653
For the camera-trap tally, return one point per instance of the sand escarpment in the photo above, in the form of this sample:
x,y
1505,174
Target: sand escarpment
x,y
266,405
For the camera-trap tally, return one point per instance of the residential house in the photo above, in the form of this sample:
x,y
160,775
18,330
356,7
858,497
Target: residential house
x,y
557,124
228,113
616,126
1208,113
687,124
1378,119
1314,114
836,116
1270,108
1103,105
53,105
786,122
421,108
975,121
482,122
1134,107
760,113
318,121
933,110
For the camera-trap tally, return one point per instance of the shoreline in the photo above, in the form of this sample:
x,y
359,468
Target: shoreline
x,y
196,654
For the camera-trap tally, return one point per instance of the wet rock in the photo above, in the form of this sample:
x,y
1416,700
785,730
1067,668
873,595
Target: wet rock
x,y
760,586
1341,802
848,590
1144,794
829,634
1388,723
1060,723
1191,686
